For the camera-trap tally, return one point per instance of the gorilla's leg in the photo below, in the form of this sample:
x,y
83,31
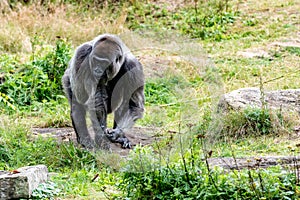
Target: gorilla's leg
x,y
78,114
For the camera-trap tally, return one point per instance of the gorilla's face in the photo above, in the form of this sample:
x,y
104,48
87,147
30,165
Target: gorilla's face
x,y
106,57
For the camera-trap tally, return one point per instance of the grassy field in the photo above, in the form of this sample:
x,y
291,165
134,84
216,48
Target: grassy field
x,y
192,52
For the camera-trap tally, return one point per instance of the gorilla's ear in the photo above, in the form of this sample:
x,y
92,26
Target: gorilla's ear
x,y
82,52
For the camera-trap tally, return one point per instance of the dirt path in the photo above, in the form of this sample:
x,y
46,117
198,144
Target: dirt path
x,y
137,136
145,136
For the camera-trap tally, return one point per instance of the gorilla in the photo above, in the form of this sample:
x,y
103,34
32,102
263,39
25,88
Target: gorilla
x,y
104,77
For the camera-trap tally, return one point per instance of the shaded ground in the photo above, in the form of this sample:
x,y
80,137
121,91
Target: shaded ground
x,y
145,136
138,136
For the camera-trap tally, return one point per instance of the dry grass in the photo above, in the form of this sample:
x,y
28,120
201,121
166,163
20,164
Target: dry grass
x,y
20,25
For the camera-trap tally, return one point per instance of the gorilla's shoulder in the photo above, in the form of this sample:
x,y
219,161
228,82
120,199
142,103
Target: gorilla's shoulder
x,y
131,62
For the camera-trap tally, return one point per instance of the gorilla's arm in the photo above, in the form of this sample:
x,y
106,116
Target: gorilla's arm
x,y
98,115
71,87
130,88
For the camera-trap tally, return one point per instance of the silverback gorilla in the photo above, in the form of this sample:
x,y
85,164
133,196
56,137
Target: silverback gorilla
x,y
104,77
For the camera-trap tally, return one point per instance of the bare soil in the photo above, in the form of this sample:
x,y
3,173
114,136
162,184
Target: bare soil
x,y
137,135
146,136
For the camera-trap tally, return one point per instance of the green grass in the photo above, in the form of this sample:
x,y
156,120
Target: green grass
x,y
36,43
73,167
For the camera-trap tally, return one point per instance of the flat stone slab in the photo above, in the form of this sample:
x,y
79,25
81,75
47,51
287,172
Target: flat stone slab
x,y
252,97
253,162
21,182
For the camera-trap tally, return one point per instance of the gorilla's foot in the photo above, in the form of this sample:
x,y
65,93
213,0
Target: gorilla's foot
x,y
118,136
86,142
102,142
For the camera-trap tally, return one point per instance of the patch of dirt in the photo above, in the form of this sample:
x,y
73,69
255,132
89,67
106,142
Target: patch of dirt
x,y
137,135
290,43
154,66
254,53
264,52
146,136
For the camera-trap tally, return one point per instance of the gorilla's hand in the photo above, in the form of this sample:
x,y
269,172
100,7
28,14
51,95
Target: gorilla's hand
x,y
118,136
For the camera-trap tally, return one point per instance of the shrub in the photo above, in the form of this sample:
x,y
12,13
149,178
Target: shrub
x,y
38,80
19,148
208,21
252,122
193,179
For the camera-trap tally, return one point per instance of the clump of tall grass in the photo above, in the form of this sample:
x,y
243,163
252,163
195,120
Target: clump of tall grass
x,y
255,122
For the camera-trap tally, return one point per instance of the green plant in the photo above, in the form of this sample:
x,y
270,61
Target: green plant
x,y
259,120
7,101
19,147
169,181
250,22
46,190
209,23
162,91
5,156
252,122
207,27
38,80
54,63
75,157
141,159
293,50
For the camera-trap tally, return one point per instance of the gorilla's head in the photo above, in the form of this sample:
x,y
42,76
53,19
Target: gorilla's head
x,y
107,56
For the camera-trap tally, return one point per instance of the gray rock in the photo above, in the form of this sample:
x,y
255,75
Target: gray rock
x,y
254,162
251,97
21,182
